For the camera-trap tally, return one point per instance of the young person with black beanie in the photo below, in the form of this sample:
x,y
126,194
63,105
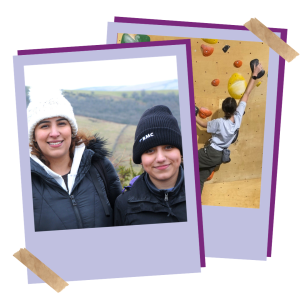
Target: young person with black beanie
x,y
158,195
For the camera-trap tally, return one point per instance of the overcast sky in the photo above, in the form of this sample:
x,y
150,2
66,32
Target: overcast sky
x,y
102,73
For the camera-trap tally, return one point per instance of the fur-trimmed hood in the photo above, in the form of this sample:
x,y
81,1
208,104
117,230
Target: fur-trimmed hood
x,y
99,146
84,156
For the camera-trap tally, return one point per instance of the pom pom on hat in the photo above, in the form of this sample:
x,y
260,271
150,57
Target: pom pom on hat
x,y
45,104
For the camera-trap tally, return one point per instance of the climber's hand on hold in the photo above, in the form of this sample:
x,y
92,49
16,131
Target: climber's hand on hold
x,y
257,69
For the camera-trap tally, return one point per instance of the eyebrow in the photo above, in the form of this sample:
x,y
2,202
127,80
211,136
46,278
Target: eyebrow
x,y
61,119
44,121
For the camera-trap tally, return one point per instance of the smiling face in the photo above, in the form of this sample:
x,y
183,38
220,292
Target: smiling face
x,y
53,137
162,165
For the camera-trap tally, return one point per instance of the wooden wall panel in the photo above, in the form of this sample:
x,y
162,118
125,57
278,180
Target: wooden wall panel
x,y
247,152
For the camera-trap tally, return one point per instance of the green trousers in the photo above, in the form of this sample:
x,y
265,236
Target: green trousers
x,y
208,158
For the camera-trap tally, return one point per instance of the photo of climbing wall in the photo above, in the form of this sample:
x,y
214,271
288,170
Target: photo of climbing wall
x,y
221,69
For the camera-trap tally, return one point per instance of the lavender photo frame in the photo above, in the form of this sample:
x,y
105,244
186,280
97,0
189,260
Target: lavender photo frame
x,y
112,252
232,232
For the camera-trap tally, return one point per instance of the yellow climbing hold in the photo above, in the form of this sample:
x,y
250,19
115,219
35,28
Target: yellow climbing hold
x,y
210,41
258,84
237,86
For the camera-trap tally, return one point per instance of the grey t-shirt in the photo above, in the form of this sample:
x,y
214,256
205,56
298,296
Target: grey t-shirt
x,y
223,130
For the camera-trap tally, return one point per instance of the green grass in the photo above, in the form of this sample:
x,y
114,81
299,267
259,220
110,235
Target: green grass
x,y
106,129
111,131
123,150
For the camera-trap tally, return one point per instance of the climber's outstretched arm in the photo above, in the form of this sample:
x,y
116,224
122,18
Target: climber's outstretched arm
x,y
251,83
201,122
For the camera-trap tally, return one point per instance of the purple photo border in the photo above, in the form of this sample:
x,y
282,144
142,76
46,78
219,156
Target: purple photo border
x,y
283,35
185,42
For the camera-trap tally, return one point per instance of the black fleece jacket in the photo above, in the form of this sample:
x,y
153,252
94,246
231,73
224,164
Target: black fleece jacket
x,y
145,204
56,209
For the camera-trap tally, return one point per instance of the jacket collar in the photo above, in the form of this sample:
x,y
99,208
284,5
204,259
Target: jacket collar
x,y
80,166
161,193
144,190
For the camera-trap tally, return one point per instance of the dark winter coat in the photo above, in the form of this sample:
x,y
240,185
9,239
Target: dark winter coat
x,y
145,204
55,209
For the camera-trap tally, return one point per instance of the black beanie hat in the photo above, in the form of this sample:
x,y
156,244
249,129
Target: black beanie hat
x,y
156,127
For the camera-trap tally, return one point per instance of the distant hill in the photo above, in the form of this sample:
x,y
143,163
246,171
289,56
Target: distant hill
x,y
154,86
120,107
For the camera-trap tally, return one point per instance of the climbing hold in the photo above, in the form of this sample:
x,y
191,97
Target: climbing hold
x,y
204,112
258,84
225,48
210,41
196,110
207,50
238,63
254,63
142,38
126,38
215,82
210,176
236,86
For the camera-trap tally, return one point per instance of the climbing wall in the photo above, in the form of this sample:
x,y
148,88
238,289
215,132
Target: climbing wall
x,y
238,183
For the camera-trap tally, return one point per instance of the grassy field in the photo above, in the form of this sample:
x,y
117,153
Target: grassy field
x,y
106,129
119,136
123,149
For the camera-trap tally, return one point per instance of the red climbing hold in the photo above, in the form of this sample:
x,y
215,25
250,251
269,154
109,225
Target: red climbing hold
x,y
211,176
238,63
215,82
207,50
204,112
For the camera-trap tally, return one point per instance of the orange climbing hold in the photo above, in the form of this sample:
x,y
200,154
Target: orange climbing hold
x,y
207,50
211,176
215,82
204,112
238,63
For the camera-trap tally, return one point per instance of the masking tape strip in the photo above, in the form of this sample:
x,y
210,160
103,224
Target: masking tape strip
x,y
40,269
271,39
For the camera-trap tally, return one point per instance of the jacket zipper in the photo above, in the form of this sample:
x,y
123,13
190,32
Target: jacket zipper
x,y
78,218
167,202
76,210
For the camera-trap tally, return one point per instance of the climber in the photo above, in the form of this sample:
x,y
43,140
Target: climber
x,y
224,130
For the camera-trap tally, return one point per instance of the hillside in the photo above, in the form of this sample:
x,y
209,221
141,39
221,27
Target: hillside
x,y
120,107
120,138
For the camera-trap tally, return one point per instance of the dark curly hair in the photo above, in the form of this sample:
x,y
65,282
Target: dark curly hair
x,y
229,106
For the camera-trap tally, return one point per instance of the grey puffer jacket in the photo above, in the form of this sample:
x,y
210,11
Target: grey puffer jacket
x,y
56,209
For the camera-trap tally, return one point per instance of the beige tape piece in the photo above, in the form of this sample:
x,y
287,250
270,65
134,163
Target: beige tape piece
x,y
40,269
271,39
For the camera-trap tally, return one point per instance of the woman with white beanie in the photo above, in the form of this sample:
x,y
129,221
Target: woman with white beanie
x,y
74,185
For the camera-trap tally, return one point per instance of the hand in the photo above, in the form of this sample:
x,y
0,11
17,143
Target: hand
x,y
257,69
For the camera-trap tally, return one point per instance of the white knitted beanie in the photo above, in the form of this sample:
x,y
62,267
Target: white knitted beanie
x,y
45,104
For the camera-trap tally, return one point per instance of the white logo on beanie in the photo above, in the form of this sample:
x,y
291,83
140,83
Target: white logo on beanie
x,y
146,136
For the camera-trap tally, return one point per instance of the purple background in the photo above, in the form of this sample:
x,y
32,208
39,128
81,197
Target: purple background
x,y
116,251
232,232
